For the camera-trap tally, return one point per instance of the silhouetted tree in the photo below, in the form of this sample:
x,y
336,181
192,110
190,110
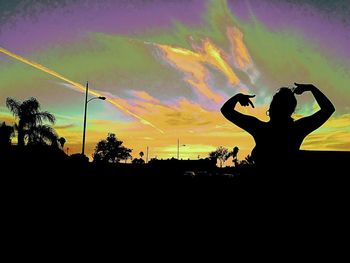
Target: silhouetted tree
x,y
6,133
30,122
221,154
61,141
111,150
235,152
141,154
42,135
234,155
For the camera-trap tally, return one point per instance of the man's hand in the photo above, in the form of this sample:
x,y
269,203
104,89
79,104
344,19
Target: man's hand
x,y
244,100
301,88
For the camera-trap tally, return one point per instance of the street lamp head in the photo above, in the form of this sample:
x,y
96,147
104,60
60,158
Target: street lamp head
x,y
102,98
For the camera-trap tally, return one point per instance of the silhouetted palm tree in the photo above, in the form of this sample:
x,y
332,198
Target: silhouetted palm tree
x,y
30,120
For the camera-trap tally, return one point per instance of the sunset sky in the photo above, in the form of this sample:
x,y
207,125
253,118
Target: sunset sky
x,y
167,66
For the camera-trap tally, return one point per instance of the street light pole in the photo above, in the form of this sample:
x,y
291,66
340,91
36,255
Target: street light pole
x,y
178,148
84,129
147,155
85,111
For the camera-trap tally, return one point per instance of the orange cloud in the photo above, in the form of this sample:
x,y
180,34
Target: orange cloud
x,y
191,64
142,95
214,56
241,54
241,57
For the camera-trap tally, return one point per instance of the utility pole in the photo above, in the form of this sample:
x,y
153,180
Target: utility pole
x,y
147,154
178,149
84,129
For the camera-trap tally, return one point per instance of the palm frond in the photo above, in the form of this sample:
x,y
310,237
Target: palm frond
x,y
30,106
45,115
14,106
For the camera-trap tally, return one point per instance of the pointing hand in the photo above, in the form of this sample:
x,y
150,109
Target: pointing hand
x,y
301,88
244,100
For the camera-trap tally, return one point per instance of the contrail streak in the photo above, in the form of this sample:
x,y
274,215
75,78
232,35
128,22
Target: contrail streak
x,y
76,85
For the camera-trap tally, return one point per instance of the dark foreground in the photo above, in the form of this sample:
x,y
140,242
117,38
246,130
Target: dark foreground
x,y
315,173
